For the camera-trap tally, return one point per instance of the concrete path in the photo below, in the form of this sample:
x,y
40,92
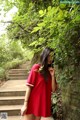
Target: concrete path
x,y
21,118
13,85
16,85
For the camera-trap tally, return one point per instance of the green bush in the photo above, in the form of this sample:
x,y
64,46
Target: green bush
x,y
13,64
2,73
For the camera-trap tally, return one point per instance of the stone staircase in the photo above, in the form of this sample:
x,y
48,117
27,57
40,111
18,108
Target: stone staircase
x,y
17,74
12,93
11,105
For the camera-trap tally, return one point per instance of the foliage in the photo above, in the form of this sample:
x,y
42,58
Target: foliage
x,y
25,19
2,73
9,50
12,54
38,24
13,64
22,25
60,29
16,49
55,25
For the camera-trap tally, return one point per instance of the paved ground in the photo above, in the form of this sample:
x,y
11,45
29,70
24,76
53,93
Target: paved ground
x,y
21,118
14,85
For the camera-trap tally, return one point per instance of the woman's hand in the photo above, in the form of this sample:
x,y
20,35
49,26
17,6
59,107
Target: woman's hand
x,y
51,70
23,110
54,83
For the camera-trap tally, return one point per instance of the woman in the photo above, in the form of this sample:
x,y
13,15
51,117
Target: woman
x,y
40,83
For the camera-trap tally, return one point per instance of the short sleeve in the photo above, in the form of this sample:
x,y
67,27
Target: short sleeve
x,y
32,76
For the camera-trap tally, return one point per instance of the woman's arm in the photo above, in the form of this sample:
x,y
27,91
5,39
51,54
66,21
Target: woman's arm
x,y
54,83
28,91
27,95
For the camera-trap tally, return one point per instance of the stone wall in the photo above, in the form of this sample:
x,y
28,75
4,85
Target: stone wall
x,y
71,98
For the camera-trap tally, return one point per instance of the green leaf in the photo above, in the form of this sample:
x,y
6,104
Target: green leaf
x,y
41,24
41,12
36,29
33,43
49,8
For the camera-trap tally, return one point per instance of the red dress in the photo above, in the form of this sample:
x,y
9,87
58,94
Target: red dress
x,y
39,102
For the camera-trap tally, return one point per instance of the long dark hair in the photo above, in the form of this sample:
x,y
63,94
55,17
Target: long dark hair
x,y
44,62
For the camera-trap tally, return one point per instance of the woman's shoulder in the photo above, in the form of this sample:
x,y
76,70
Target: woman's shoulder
x,y
36,66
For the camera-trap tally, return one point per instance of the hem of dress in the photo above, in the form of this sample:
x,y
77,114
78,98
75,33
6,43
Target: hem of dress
x,y
29,84
39,115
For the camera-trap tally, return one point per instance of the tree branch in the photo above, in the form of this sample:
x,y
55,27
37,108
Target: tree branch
x,y
26,31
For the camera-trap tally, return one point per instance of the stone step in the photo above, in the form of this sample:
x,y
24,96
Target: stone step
x,y
17,74
17,77
13,100
11,110
14,118
18,71
21,118
11,93
14,86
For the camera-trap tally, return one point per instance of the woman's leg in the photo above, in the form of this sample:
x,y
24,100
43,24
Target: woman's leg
x,y
29,117
47,118
37,118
